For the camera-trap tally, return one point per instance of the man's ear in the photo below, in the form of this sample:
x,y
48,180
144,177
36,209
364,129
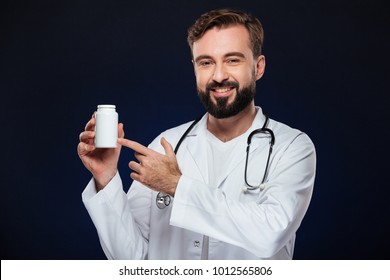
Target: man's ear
x,y
260,66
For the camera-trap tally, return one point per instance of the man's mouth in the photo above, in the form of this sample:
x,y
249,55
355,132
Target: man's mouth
x,y
222,91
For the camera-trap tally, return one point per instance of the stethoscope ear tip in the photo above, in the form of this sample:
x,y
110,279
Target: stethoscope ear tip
x,y
262,186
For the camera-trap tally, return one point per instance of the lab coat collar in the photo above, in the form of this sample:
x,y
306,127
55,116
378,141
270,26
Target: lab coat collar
x,y
259,120
197,141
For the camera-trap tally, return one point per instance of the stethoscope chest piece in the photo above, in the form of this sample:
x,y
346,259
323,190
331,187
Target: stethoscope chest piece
x,y
246,189
163,200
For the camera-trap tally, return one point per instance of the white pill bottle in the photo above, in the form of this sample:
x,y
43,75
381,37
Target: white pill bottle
x,y
106,128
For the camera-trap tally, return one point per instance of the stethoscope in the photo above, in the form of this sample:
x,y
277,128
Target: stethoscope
x,y
163,199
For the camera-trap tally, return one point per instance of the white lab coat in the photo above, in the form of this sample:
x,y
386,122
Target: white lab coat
x,y
252,225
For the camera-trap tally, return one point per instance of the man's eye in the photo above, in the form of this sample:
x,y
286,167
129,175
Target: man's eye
x,y
233,61
204,63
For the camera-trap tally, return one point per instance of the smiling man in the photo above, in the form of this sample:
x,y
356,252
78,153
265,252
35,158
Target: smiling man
x,y
214,196
223,60
226,71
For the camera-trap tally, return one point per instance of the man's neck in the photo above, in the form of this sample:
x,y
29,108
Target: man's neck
x,y
229,128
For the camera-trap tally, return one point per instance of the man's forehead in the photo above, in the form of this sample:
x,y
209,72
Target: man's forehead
x,y
220,41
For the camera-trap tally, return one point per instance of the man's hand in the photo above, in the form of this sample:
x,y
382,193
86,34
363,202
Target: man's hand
x,y
102,163
156,171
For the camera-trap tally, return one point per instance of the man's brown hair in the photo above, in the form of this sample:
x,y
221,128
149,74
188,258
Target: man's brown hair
x,y
227,17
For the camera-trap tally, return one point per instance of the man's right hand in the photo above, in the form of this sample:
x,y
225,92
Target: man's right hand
x,y
101,162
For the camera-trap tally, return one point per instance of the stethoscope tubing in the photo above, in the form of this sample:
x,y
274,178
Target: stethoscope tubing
x,y
266,130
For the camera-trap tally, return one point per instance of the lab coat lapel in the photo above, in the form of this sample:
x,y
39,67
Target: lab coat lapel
x,y
258,123
196,146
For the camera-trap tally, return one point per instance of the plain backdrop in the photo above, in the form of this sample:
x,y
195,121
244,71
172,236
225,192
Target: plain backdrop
x,y
327,74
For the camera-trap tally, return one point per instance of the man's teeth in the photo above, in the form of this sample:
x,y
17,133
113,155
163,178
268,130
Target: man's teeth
x,y
222,90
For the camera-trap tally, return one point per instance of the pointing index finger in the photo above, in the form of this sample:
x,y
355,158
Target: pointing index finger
x,y
137,147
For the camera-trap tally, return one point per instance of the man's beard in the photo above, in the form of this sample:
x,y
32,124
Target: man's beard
x,y
222,109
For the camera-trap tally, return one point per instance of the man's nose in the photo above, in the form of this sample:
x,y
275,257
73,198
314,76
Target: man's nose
x,y
220,73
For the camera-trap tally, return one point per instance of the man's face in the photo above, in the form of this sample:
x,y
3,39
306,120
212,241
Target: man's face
x,y
226,71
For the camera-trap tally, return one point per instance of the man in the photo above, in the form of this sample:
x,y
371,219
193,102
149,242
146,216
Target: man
x,y
210,200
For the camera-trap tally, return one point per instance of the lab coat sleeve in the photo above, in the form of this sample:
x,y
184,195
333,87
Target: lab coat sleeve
x,y
121,221
262,226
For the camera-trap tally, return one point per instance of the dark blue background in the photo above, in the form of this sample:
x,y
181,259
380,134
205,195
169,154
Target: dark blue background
x,y
327,74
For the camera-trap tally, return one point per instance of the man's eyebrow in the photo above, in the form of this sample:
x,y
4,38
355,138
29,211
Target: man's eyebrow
x,y
202,57
239,54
